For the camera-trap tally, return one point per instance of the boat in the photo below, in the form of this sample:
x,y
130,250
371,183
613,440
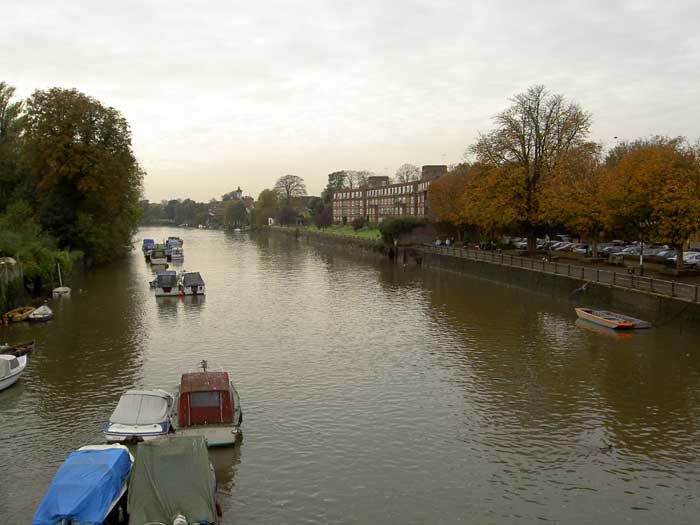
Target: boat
x,y
173,482
177,254
41,314
207,404
159,258
191,283
166,284
18,349
11,367
174,241
587,326
18,314
89,487
139,415
611,319
60,291
147,245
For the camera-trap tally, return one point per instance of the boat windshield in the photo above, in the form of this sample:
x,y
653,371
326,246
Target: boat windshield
x,y
140,409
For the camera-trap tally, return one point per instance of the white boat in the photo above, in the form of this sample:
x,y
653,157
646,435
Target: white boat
x,y
191,283
140,415
41,314
11,368
61,291
159,258
166,284
177,254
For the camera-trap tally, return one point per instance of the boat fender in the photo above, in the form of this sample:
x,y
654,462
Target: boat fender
x,y
219,512
180,520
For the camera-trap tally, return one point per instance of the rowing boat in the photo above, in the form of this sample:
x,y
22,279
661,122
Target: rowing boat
x,y
611,319
18,314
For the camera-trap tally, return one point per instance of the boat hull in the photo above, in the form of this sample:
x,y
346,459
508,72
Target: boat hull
x,y
8,381
215,436
591,317
172,292
194,290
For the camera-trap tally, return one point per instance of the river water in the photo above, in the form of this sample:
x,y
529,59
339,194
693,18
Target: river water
x,y
372,392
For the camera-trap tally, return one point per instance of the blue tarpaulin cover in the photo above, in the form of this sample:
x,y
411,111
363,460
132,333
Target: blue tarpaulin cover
x,y
148,242
84,487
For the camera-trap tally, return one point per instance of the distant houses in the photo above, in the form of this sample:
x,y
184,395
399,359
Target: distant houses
x,y
215,215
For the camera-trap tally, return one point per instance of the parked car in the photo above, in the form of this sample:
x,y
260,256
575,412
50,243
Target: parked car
x,y
689,258
563,246
666,254
580,248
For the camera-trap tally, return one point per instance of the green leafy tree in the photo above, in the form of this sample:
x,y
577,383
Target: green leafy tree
x,y
78,157
266,207
235,214
11,122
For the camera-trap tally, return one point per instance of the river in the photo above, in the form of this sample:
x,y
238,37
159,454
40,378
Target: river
x,y
372,392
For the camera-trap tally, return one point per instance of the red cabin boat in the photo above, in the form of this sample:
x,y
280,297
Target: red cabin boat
x,y
208,405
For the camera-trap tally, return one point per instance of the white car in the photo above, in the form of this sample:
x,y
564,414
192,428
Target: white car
x,y
689,258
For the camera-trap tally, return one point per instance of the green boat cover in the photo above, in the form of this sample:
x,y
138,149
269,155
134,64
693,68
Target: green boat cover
x,y
171,477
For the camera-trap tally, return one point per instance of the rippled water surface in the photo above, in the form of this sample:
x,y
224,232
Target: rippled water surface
x,y
373,393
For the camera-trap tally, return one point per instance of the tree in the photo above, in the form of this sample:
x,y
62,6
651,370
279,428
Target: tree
x,y
266,207
324,218
336,182
407,173
653,189
288,187
574,195
78,157
235,214
446,197
287,215
357,179
528,143
11,122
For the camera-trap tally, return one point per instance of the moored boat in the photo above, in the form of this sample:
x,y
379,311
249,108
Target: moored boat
x,y
11,368
166,284
158,258
147,246
177,254
173,482
140,415
191,283
89,487
41,314
611,319
207,404
18,314
18,349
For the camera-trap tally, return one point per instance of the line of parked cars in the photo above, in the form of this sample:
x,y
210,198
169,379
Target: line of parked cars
x,y
615,248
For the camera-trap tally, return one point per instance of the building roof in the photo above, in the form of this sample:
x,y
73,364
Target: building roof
x,y
204,382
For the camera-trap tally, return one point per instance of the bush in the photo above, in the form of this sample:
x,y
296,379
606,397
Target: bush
x,y
358,223
392,228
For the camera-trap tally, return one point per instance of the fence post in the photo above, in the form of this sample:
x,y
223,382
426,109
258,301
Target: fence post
x,y
696,293
568,270
597,275
614,274
673,288
556,267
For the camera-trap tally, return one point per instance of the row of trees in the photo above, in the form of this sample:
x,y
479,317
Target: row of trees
x,y
67,166
537,171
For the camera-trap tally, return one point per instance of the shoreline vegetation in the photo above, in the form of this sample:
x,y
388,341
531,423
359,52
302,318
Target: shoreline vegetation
x,y
69,187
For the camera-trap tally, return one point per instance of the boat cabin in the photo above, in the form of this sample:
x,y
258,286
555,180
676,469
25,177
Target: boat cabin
x,y
166,280
148,244
205,398
8,365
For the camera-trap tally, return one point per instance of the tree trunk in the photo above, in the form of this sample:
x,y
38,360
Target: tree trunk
x,y
679,256
594,243
532,242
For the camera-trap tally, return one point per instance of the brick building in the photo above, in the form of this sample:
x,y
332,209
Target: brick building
x,y
379,199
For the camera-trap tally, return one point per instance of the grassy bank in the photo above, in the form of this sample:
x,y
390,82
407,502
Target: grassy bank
x,y
345,229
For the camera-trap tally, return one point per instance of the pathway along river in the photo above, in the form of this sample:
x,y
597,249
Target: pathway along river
x,y
373,393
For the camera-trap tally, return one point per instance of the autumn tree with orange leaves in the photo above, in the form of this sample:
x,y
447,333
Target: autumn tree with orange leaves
x,y
446,196
529,142
652,189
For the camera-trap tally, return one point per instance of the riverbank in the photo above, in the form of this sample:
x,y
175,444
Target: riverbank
x,y
660,301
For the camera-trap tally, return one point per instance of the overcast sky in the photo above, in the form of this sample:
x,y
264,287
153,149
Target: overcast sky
x,y
221,94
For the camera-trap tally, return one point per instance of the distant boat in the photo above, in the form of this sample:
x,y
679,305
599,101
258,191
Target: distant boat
x,y
177,254
166,284
611,319
61,291
147,246
18,314
41,314
140,415
11,368
89,487
207,404
159,258
18,349
191,283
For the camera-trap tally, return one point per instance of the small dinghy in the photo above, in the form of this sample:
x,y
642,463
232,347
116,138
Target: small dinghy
x,y
18,349
18,314
41,314
611,319
140,415
207,404
173,482
11,368
89,487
